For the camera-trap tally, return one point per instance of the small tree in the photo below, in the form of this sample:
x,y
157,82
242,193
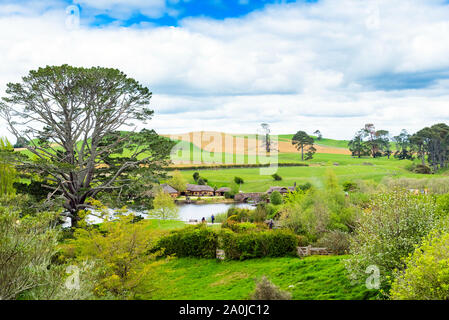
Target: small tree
x,y
178,181
164,207
303,142
318,134
276,198
239,180
196,176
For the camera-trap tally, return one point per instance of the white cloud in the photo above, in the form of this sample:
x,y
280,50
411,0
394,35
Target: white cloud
x,y
331,66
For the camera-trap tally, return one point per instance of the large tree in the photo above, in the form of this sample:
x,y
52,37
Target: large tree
x,y
302,141
71,117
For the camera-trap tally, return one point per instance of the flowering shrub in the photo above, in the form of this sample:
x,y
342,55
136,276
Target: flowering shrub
x,y
388,231
427,273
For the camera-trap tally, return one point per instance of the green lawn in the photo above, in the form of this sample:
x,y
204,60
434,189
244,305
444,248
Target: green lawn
x,y
312,278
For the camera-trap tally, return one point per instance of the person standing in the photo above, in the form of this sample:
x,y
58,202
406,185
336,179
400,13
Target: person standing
x,y
212,218
270,224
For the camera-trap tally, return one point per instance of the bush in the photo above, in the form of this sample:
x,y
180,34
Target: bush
x,y
277,177
422,169
388,232
27,247
266,290
276,198
349,186
337,241
427,273
123,250
193,241
239,180
240,246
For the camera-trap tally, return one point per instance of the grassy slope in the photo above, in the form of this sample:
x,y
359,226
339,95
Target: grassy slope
x,y
201,279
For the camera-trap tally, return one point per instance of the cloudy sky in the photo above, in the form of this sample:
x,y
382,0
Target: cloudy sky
x,y
229,65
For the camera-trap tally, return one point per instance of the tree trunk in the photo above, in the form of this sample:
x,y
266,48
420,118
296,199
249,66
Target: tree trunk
x,y
302,153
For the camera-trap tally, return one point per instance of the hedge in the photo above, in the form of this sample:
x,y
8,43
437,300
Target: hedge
x,y
194,241
273,243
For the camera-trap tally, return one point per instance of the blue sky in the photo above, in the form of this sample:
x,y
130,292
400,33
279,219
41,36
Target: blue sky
x,y
178,10
230,65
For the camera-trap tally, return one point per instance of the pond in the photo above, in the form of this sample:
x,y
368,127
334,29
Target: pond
x,y
186,211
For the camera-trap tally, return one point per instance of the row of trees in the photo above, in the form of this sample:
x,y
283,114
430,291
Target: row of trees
x,y
429,143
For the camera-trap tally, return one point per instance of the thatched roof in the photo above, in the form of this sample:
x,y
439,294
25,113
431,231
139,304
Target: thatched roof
x,y
280,189
168,189
224,189
198,188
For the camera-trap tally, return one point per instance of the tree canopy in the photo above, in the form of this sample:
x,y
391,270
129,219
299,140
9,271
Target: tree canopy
x,y
303,142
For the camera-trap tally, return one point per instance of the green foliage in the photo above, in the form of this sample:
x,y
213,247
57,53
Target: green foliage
x,y
248,245
27,248
388,232
238,180
427,273
7,170
276,198
164,207
120,249
266,290
178,181
335,240
277,177
193,241
314,213
349,186
196,176
422,169
303,142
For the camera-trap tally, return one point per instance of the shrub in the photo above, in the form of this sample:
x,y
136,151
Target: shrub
x,y
276,198
123,250
193,241
239,180
240,246
277,177
422,169
266,290
337,241
350,186
304,187
388,232
27,247
427,273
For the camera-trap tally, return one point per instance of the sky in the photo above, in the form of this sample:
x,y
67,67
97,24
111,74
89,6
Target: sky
x,y
230,65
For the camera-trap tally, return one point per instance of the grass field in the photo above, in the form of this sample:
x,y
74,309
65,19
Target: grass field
x,y
348,169
312,278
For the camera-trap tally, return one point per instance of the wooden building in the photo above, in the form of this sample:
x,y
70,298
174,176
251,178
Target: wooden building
x,y
221,192
199,191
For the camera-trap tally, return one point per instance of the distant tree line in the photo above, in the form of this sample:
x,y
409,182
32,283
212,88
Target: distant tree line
x,y
430,144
